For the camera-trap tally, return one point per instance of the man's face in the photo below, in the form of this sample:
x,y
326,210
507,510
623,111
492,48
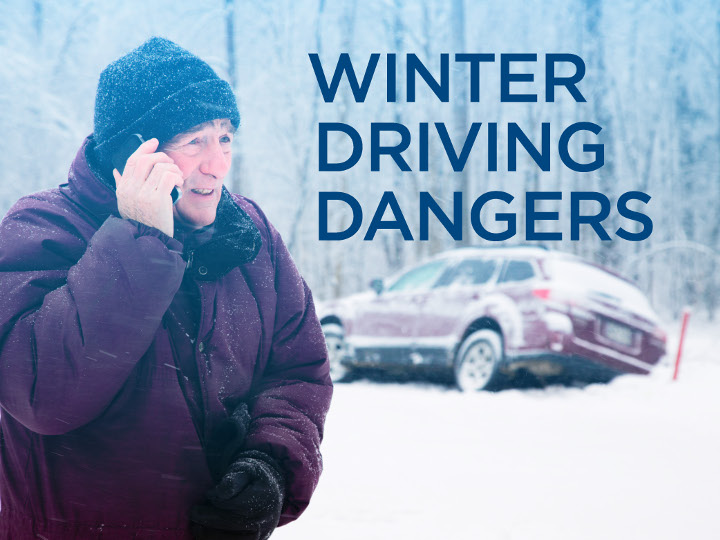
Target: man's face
x,y
203,154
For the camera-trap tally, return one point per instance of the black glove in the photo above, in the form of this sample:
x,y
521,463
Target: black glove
x,y
245,504
227,441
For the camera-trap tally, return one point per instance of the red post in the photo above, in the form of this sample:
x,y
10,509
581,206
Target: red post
x,y
683,328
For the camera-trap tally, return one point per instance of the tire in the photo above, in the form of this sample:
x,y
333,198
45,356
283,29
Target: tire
x,y
477,361
335,341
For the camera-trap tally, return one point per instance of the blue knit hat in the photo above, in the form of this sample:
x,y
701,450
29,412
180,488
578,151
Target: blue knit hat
x,y
157,90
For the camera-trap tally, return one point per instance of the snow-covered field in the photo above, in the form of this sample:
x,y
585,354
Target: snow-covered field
x,y
636,459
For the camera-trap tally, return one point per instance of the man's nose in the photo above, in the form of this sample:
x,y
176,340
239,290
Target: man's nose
x,y
215,162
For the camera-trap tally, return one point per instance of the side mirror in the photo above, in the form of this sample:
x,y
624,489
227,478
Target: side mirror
x,y
377,285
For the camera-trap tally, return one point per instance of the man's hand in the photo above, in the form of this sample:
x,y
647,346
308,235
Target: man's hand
x,y
245,504
143,190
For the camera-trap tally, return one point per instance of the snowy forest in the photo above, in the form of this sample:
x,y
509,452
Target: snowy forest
x,y
652,83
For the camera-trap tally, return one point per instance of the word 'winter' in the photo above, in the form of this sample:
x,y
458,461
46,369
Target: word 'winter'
x,y
441,88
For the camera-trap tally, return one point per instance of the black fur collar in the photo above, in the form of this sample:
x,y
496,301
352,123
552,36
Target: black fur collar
x,y
235,241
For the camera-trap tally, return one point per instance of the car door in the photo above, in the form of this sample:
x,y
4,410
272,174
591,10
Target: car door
x,y
447,303
391,317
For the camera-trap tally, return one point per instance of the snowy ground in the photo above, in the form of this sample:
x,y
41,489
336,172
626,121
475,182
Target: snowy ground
x,y
636,459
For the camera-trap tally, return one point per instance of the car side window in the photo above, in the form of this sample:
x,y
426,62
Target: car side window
x,y
516,271
421,277
468,272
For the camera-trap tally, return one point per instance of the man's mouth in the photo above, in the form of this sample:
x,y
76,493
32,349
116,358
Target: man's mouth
x,y
202,191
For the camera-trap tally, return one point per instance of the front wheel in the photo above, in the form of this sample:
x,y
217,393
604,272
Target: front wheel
x,y
335,341
476,364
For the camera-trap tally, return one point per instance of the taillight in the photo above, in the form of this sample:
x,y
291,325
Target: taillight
x,y
543,294
660,334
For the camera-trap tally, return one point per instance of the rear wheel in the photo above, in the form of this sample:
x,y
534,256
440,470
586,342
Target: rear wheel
x,y
335,340
476,365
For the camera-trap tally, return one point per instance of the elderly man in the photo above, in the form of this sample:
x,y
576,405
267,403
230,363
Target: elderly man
x,y
162,371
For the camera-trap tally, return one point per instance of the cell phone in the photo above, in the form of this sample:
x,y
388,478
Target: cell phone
x,y
127,148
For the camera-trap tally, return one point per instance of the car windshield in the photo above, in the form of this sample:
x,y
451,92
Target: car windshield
x,y
468,272
421,277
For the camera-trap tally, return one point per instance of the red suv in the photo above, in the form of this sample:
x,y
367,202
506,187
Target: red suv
x,y
488,313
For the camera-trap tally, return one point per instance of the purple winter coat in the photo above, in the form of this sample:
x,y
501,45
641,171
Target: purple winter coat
x,y
98,440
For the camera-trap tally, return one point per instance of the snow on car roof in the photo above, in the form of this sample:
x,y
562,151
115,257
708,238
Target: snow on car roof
x,y
525,252
512,251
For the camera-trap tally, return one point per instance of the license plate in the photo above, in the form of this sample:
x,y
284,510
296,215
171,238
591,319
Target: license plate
x,y
618,333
